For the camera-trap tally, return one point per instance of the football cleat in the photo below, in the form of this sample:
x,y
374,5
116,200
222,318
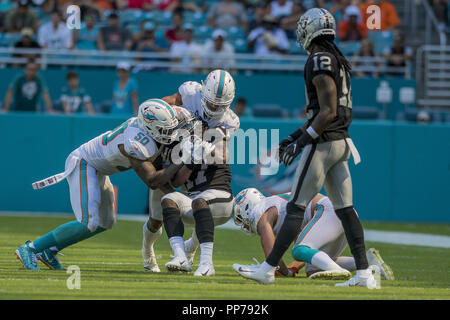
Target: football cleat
x,y
27,256
358,281
190,252
179,264
150,263
331,275
254,272
49,258
374,258
205,269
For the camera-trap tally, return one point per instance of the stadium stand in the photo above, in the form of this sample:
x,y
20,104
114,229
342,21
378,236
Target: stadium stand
x,y
85,51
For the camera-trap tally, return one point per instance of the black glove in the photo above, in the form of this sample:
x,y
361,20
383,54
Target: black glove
x,y
295,148
283,145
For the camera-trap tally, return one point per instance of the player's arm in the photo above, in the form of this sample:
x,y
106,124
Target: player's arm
x,y
144,169
327,96
174,100
267,237
181,176
164,176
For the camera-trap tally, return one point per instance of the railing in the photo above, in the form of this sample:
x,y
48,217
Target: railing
x,y
414,16
433,73
150,60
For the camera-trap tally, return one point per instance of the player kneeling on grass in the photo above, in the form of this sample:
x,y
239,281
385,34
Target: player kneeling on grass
x,y
134,144
319,244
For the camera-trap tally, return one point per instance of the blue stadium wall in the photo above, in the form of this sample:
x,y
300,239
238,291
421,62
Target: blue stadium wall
x,y
404,174
286,90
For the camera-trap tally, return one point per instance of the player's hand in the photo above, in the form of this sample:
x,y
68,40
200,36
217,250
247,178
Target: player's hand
x,y
283,144
295,148
290,274
290,153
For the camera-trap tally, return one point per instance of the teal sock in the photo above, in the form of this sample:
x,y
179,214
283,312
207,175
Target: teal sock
x,y
84,236
303,253
64,236
44,242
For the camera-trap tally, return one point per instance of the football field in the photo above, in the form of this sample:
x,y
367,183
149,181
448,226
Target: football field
x,y
111,267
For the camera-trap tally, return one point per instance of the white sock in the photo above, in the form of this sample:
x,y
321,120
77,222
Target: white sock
x,y
323,261
206,252
192,243
177,245
267,267
149,237
31,245
364,273
347,263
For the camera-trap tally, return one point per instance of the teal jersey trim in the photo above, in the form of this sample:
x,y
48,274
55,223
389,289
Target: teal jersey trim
x,y
84,193
318,209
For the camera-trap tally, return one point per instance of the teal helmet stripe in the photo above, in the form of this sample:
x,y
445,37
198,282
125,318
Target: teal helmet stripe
x,y
162,102
221,83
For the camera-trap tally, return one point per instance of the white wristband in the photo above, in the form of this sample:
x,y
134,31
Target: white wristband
x,y
312,132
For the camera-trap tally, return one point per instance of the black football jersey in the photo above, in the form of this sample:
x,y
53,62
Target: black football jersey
x,y
326,63
204,177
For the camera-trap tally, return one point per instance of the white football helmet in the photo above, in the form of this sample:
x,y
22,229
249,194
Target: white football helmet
x,y
218,92
243,204
314,23
158,119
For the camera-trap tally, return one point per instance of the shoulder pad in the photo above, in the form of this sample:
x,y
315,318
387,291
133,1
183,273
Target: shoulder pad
x,y
139,145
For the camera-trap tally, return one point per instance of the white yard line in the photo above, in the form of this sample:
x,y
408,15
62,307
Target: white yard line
x,y
405,238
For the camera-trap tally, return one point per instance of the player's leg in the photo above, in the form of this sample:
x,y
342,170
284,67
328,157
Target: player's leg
x,y
85,199
308,181
152,230
315,243
173,206
191,245
338,185
209,208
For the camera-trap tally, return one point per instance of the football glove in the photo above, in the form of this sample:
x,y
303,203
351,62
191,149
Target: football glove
x,y
295,148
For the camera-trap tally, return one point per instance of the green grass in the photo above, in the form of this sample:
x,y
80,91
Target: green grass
x,y
111,268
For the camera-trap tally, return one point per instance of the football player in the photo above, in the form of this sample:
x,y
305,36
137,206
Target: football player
x,y
135,144
319,244
209,102
326,147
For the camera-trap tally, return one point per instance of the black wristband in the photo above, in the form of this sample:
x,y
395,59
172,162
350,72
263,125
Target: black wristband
x,y
297,134
305,139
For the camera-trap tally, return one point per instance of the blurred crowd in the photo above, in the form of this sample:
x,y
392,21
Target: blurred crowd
x,y
199,32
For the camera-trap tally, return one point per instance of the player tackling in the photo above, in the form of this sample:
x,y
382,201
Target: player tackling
x,y
326,147
136,143
207,199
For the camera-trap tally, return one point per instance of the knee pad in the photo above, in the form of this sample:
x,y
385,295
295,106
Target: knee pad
x,y
303,253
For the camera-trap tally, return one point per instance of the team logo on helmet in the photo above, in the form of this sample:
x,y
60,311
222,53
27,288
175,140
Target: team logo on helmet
x,y
149,118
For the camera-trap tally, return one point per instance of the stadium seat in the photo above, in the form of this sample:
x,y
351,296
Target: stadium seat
x,y
381,40
269,111
130,16
163,18
235,33
240,46
366,113
196,18
294,47
203,32
349,48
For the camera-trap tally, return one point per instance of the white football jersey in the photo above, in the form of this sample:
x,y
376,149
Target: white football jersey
x,y
278,201
103,152
191,94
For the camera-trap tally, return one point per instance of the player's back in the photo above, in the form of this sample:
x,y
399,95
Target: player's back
x,y
204,177
325,63
102,152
